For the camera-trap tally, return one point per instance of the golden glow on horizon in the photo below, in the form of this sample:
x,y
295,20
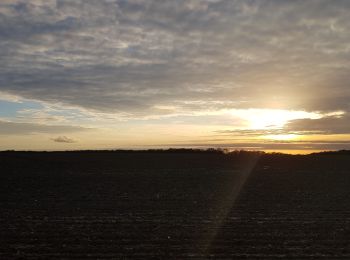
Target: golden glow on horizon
x,y
257,129
290,151
282,137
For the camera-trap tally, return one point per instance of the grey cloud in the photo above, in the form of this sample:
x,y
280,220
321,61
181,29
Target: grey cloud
x,y
326,125
14,128
130,56
63,139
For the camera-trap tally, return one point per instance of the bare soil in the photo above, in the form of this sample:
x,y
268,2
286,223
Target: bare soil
x,y
174,205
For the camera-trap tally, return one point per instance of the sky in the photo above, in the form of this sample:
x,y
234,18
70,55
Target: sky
x,y
140,74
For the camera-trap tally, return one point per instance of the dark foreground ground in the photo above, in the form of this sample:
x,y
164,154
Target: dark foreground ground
x,y
174,205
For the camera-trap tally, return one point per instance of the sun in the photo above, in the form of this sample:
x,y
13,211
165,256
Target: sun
x,y
262,119
268,119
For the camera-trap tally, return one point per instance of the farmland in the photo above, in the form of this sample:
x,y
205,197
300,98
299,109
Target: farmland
x,y
174,205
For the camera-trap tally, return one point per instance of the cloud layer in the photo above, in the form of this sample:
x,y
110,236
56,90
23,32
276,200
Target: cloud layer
x,y
17,128
161,57
327,125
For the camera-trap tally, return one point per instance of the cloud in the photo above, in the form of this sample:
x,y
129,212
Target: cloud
x,y
327,125
16,128
63,139
250,132
134,56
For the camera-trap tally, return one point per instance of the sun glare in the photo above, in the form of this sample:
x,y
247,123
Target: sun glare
x,y
271,118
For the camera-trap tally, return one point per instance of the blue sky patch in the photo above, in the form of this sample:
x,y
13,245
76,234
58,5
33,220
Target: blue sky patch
x,y
10,109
